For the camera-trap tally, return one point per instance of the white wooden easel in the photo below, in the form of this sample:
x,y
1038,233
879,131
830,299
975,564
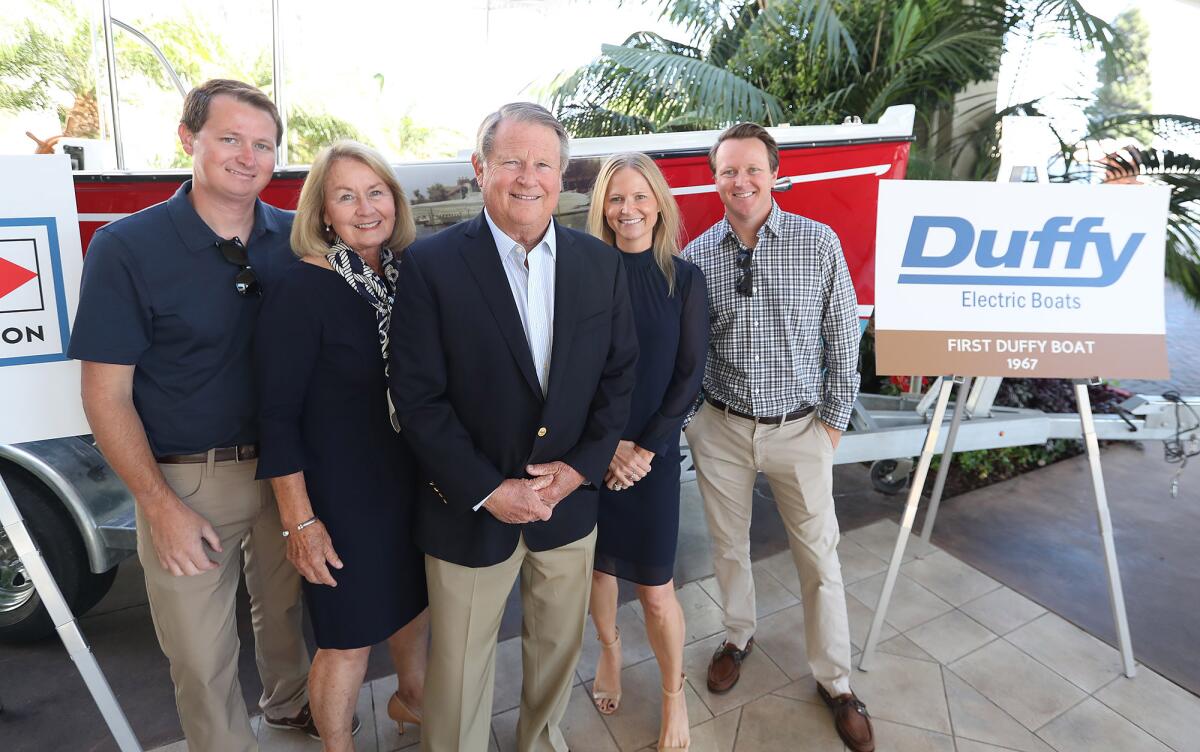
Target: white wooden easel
x,y
64,622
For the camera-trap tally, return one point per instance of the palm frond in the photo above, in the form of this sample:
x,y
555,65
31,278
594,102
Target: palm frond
x,y
828,37
687,121
1171,128
1132,162
713,92
701,19
923,74
1181,173
603,83
588,120
750,24
1069,18
649,40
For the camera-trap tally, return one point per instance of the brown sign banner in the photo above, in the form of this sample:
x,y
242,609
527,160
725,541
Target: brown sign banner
x,y
1045,355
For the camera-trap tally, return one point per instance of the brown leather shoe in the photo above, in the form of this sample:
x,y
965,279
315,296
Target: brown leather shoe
x,y
851,720
726,666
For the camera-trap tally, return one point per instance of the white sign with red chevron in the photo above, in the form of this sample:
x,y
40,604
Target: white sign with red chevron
x,y
40,265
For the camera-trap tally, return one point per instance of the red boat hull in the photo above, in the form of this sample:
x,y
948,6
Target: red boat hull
x,y
834,183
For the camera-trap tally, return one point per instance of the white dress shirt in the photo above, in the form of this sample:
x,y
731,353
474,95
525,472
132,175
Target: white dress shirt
x,y
531,280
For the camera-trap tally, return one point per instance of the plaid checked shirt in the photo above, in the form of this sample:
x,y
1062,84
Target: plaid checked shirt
x,y
794,342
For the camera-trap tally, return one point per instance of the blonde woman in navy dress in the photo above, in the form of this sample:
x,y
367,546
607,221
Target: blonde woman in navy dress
x,y
632,208
345,480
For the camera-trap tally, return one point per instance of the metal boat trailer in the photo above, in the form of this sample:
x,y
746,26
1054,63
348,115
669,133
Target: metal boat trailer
x,y
888,431
892,428
976,423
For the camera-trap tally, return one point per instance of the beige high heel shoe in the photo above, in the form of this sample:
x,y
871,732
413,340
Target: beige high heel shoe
x,y
605,701
668,694
401,713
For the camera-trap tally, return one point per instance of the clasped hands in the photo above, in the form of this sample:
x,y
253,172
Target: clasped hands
x,y
519,500
629,464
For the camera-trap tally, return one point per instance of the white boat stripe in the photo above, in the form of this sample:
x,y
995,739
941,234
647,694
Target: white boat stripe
x,y
690,189
878,169
864,311
101,217
811,177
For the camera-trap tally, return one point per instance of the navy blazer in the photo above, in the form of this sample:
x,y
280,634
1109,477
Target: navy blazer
x,y
466,393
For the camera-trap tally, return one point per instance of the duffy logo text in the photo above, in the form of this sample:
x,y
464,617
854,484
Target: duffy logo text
x,y
947,250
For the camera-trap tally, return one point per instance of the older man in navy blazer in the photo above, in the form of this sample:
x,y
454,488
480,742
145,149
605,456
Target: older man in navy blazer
x,y
512,359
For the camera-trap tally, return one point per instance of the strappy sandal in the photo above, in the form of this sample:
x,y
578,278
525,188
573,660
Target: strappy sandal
x,y
608,702
669,695
401,713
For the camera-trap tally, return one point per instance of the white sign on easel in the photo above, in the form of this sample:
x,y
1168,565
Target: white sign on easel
x,y
40,267
1020,279
971,304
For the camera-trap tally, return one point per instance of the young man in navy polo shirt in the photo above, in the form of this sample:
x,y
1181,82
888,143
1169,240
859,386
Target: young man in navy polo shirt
x,y
165,328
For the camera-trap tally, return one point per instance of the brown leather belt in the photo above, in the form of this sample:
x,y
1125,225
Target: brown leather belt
x,y
773,420
223,454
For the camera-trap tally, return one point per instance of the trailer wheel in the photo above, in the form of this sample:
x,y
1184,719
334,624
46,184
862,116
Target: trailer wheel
x,y
95,587
890,476
23,618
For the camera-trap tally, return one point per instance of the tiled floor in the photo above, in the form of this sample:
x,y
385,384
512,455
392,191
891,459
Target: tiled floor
x,y
965,665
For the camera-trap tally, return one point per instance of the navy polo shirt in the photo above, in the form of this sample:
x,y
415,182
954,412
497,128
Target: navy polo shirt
x,y
157,294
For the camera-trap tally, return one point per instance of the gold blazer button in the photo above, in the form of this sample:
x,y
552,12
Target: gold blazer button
x,y
542,431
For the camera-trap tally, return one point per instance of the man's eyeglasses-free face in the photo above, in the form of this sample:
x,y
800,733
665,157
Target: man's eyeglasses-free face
x,y
245,282
745,282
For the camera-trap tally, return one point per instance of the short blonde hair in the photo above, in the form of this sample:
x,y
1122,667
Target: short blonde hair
x,y
309,236
668,228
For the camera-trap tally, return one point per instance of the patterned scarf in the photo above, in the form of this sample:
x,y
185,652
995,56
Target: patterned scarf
x,y
380,292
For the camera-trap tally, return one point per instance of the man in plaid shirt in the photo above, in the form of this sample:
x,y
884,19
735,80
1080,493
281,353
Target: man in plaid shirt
x,y
779,385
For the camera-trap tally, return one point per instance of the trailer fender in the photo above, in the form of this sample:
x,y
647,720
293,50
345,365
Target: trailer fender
x,y
95,498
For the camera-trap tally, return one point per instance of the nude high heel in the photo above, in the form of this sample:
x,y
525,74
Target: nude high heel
x,y
401,713
607,702
668,694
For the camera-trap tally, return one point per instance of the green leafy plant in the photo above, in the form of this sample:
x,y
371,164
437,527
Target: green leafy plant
x,y
986,466
803,61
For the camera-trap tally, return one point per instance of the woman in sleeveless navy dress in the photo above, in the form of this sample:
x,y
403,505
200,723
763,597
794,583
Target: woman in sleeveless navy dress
x,y
638,526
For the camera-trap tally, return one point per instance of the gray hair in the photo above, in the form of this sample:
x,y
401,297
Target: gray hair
x,y
521,112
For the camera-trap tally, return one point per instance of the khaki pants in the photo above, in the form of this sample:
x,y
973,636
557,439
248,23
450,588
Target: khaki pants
x,y
465,607
797,458
194,617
